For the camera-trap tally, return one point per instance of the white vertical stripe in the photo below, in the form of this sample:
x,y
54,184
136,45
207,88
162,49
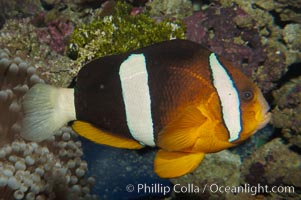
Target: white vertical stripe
x,y
136,97
228,96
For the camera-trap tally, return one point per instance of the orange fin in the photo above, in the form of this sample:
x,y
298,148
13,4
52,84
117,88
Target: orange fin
x,y
173,164
183,131
94,134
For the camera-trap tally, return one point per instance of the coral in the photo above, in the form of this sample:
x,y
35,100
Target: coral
x,y
118,33
49,170
219,168
274,164
177,9
231,33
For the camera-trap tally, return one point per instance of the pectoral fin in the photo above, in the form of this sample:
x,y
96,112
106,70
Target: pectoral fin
x,y
182,132
96,135
173,164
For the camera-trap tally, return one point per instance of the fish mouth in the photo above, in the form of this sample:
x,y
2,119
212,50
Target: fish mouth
x,y
266,115
266,119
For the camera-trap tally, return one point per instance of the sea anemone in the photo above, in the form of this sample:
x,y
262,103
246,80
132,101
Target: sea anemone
x,y
52,169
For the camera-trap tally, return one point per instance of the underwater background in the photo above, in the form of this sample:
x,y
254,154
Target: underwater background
x,y
50,40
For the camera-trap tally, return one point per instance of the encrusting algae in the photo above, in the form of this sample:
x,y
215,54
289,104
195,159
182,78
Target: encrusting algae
x,y
119,33
52,169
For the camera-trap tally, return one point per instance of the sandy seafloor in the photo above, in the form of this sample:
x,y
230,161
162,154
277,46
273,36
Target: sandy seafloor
x,y
120,169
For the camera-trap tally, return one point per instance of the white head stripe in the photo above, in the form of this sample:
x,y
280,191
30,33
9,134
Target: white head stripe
x,y
228,96
136,97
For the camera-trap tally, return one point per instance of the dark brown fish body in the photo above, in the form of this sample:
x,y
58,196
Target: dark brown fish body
x,y
98,83
175,95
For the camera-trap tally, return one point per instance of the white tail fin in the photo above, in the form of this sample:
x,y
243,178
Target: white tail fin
x,y
46,109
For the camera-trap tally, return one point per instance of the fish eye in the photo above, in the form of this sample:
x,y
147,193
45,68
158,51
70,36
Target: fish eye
x,y
247,95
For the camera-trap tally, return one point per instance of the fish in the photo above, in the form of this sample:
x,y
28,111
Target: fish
x,y
176,96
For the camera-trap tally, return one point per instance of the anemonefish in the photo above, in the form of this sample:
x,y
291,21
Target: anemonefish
x,y
175,95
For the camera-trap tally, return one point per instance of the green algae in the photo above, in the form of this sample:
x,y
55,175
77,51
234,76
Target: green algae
x,y
120,32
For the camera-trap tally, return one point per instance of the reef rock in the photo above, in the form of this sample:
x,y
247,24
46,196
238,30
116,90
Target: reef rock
x,y
177,9
218,169
18,9
275,20
292,36
232,33
274,164
286,114
21,38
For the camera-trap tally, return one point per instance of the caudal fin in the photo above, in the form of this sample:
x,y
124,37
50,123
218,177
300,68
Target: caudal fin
x,y
46,109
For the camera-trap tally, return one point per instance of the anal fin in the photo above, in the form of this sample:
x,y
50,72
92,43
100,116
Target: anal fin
x,y
98,136
170,164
